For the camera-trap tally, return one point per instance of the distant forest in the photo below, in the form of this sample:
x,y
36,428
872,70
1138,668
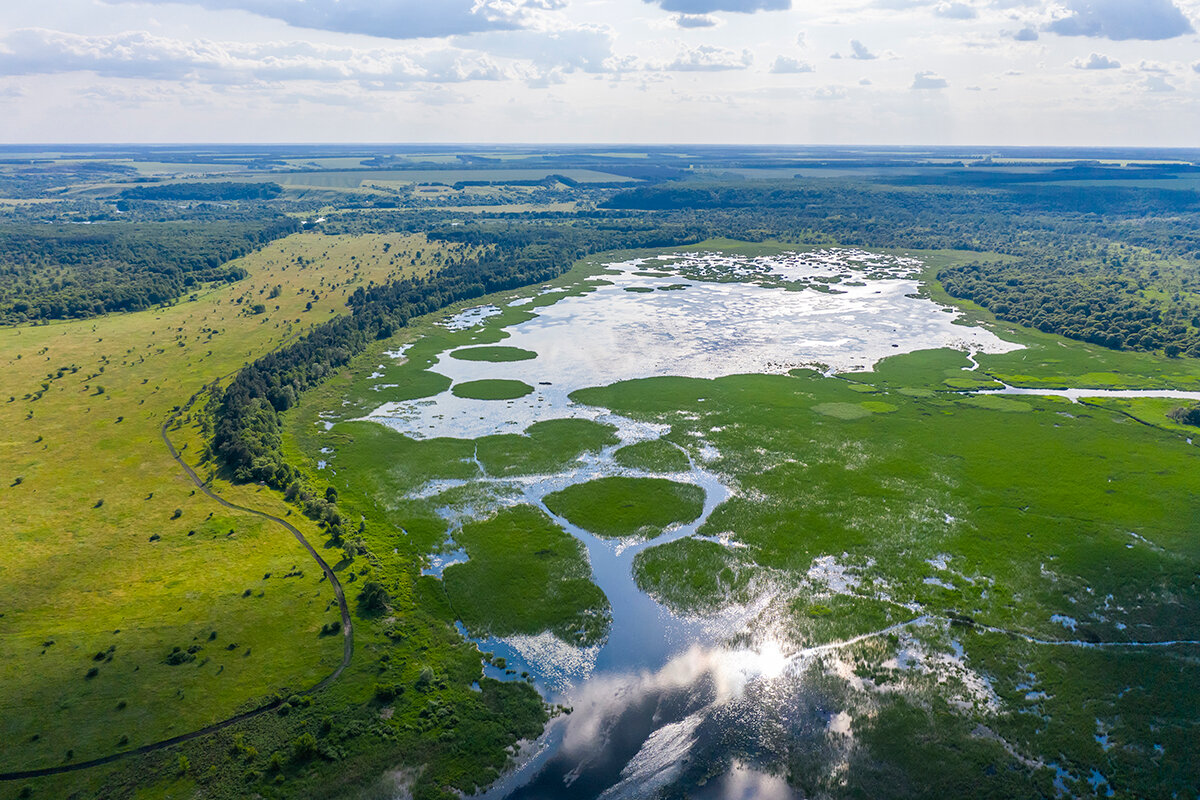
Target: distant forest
x,y
70,271
209,191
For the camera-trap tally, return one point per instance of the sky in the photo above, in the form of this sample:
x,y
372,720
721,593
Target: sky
x,y
938,72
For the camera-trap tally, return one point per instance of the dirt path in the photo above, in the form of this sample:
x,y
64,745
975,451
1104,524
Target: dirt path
x,y
347,638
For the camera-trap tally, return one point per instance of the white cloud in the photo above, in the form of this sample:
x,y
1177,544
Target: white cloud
x,y
955,11
1157,83
695,21
786,65
929,80
707,58
708,6
394,19
1096,61
586,48
859,51
139,54
1122,19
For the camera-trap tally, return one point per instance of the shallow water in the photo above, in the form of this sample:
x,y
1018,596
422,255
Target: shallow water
x,y
1075,395
707,330
664,694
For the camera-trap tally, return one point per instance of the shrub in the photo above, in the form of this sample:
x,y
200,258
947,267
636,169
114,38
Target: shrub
x,y
304,747
178,513
373,597
1186,416
93,672
179,656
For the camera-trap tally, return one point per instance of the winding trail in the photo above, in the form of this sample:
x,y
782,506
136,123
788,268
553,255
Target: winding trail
x,y
347,638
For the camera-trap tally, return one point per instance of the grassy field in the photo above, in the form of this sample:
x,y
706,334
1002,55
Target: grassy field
x,y
112,559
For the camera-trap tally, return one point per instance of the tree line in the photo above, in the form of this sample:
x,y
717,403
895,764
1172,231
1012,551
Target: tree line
x,y
72,271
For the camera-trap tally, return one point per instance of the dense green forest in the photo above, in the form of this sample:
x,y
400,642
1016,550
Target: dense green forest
x,y
71,271
1099,301
212,191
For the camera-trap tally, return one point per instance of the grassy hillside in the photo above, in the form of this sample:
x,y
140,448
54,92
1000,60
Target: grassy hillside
x,y
112,559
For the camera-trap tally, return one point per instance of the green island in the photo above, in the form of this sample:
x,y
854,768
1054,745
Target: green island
x,y
492,353
619,506
491,390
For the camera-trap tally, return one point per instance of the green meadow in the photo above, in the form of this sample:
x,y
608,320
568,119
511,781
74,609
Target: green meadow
x,y
132,607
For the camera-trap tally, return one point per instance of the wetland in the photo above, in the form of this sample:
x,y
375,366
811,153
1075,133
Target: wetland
x,y
751,527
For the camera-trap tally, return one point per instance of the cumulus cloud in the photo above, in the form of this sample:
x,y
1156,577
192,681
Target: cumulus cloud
x,y
585,49
709,6
1122,19
695,21
858,51
1027,34
138,54
1157,83
929,80
707,58
785,65
393,19
955,11
1096,61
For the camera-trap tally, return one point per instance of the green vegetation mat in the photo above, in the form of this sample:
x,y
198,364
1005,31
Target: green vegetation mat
x,y
655,455
497,354
491,389
544,447
620,506
525,575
